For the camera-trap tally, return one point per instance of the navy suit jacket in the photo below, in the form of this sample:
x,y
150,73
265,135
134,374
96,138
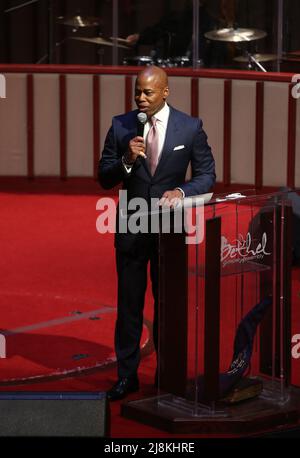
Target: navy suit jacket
x,y
182,131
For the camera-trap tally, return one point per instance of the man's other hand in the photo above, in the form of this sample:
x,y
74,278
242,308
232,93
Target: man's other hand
x,y
171,198
132,39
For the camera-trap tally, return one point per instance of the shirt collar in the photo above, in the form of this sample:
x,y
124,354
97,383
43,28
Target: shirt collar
x,y
163,114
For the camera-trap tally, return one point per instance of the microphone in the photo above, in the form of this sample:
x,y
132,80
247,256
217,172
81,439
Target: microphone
x,y
141,121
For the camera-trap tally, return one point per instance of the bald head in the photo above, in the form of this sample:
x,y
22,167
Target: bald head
x,y
154,73
151,90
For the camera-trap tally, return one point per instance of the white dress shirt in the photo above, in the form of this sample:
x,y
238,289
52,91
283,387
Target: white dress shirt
x,y
162,118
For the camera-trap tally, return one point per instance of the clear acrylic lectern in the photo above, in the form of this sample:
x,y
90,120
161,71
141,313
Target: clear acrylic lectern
x,y
224,318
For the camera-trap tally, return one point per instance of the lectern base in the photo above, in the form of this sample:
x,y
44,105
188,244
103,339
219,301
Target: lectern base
x,y
247,418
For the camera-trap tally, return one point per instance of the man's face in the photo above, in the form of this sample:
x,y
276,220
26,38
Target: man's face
x,y
150,94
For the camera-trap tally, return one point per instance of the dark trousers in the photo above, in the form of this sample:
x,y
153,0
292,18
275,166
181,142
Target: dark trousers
x,y
132,284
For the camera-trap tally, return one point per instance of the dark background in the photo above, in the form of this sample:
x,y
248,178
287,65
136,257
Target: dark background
x,y
25,34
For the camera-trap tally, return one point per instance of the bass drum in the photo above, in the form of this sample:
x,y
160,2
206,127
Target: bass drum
x,y
138,60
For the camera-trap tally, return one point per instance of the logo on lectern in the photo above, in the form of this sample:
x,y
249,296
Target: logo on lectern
x,y
243,249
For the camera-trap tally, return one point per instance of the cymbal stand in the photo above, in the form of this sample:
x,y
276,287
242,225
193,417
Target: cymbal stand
x,y
22,5
51,47
115,33
252,60
53,50
54,46
14,8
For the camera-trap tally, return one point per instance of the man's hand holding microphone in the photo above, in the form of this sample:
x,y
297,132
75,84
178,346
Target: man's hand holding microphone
x,y
137,145
136,148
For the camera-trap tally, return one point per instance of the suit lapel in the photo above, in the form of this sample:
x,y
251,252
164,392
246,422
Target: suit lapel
x,y
167,149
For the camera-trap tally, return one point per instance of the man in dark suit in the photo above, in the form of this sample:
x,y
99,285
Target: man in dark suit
x,y
150,166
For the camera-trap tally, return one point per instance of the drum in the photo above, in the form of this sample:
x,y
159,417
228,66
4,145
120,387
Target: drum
x,y
138,60
181,61
164,63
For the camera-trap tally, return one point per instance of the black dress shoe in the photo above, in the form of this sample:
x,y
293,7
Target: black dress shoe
x,y
123,387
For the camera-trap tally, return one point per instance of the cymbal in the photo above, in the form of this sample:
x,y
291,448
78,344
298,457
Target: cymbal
x,y
258,57
119,40
98,41
78,21
235,35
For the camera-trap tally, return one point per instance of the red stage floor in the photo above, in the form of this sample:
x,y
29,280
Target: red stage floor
x,y
58,299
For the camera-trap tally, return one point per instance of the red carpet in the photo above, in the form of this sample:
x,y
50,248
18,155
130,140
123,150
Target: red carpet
x,y
58,297
57,287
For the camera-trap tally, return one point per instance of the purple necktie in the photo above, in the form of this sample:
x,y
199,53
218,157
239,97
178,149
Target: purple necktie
x,y
152,146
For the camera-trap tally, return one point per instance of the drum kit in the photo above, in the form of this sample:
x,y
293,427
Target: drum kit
x,y
229,34
78,22
239,35
182,61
